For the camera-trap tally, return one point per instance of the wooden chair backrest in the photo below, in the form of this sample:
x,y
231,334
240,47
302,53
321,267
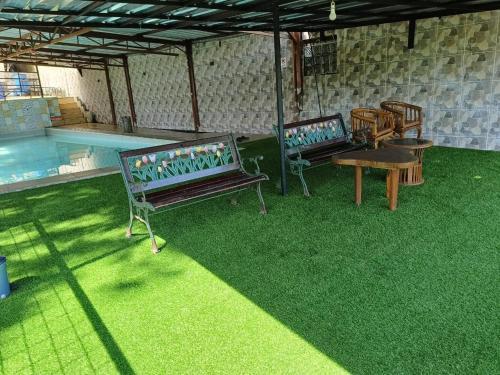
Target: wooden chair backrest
x,y
403,112
364,119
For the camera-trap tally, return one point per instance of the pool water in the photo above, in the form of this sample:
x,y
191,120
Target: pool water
x,y
62,151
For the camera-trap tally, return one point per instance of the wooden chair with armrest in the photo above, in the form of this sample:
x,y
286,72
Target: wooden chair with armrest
x,y
371,125
406,117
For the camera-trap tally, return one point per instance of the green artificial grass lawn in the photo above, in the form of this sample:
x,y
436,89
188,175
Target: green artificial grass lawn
x,y
317,286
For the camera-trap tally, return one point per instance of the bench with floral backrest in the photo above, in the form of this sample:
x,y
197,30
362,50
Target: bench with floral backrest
x,y
169,175
311,143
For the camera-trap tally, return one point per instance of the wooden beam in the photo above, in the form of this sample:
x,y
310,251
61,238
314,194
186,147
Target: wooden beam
x,y
129,91
110,92
39,80
192,85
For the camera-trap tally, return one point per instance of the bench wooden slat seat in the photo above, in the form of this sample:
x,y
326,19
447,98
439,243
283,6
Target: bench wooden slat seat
x,y
323,155
206,187
169,175
313,142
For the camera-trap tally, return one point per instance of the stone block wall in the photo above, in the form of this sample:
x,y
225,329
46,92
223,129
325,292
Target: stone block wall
x,y
235,85
453,73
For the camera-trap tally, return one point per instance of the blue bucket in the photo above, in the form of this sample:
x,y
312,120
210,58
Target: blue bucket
x,y
4,279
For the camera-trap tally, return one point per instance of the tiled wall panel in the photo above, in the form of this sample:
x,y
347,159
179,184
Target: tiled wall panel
x,y
23,115
453,73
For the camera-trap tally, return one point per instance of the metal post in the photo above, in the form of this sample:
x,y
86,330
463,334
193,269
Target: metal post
x,y
192,84
129,91
279,98
411,33
110,92
39,80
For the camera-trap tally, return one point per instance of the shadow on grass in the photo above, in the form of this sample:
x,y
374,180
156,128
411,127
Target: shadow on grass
x,y
105,336
376,291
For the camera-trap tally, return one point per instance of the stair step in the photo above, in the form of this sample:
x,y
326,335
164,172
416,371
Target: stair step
x,y
66,100
70,111
68,106
74,121
71,118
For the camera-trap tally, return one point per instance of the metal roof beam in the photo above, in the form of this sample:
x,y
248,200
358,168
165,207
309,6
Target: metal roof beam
x,y
111,47
24,51
134,19
52,64
89,8
98,34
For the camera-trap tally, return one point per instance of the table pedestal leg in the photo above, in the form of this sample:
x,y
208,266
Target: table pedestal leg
x,y
358,184
388,185
394,187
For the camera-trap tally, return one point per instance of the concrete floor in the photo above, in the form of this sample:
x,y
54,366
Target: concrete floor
x,y
173,135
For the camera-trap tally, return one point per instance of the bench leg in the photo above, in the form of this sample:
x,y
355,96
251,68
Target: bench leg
x,y
303,181
263,209
131,221
154,246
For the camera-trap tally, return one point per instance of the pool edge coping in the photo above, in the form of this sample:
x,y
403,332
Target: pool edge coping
x,y
57,180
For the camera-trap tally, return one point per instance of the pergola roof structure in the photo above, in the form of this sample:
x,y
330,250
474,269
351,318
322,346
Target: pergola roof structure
x,y
83,34
97,34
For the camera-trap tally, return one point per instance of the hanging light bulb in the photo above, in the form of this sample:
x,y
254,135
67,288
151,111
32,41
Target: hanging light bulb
x,y
333,14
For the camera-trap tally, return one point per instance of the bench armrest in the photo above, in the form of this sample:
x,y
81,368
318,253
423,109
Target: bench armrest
x,y
254,160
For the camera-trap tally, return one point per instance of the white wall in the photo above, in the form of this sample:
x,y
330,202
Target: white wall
x,y
90,87
160,87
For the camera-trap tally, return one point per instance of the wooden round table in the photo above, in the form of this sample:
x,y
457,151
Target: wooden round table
x,y
414,175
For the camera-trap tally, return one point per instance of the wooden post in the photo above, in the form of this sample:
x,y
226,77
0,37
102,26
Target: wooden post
x,y
358,183
298,79
192,85
110,92
388,185
39,80
129,91
393,199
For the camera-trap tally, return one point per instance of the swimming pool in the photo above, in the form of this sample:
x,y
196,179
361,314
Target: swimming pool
x,y
61,151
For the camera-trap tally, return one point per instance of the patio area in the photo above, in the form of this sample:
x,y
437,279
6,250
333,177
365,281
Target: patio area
x,y
346,251
315,286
